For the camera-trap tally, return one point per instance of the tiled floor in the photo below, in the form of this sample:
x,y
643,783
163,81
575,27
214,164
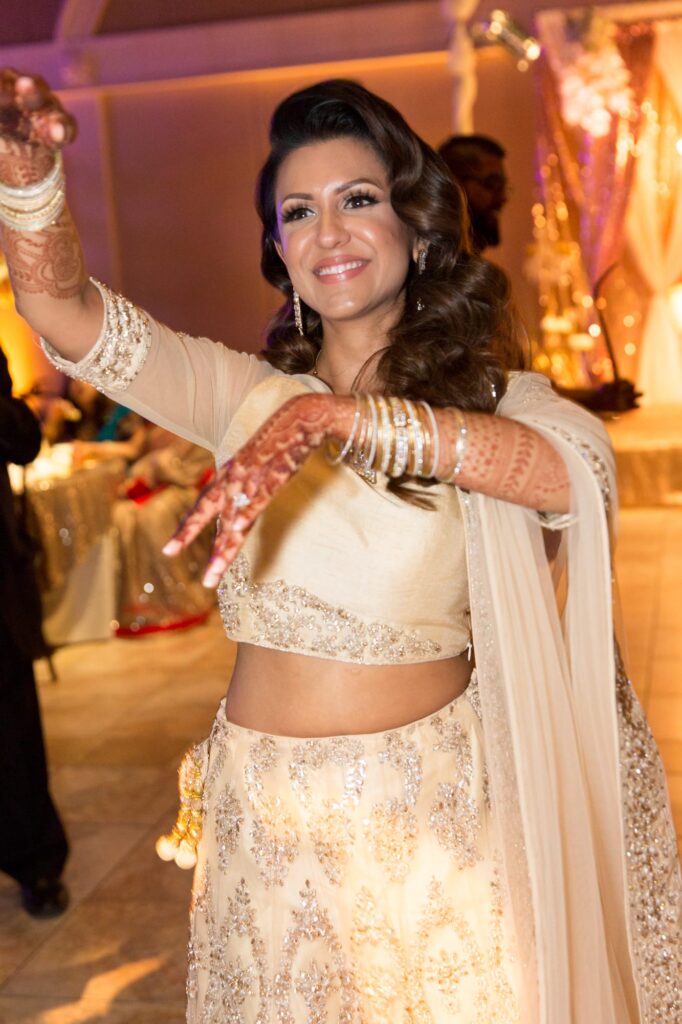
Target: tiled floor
x,y
117,724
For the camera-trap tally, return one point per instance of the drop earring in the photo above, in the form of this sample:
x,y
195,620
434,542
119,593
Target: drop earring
x,y
298,316
421,267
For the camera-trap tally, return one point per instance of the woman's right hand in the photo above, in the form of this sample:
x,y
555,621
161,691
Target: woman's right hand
x,y
37,233
33,125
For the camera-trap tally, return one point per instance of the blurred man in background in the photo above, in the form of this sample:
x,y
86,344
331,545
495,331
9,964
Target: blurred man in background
x,y
476,162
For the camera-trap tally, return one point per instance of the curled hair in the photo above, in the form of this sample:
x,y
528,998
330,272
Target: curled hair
x,y
457,335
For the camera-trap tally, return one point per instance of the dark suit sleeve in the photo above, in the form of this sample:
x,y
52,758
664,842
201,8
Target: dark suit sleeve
x,y
19,428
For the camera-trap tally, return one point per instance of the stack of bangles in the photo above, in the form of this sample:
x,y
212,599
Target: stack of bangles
x,y
34,207
398,437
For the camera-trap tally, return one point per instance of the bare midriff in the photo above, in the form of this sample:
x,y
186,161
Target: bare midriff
x,y
297,695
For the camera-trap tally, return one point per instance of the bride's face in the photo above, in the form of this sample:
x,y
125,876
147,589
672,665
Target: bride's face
x,y
345,248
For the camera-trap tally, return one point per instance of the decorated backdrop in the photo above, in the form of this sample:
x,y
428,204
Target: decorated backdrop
x,y
607,254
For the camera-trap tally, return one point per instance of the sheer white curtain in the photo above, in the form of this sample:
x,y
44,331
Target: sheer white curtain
x,y
655,234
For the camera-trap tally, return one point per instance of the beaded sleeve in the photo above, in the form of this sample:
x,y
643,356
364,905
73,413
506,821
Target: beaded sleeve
x,y
120,351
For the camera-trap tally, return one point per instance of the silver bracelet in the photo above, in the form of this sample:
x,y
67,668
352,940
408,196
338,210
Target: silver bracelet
x,y
359,458
390,436
33,220
334,460
371,401
34,207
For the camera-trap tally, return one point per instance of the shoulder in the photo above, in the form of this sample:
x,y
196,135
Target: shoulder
x,y
528,383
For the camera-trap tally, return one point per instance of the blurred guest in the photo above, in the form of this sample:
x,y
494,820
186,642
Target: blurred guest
x,y
82,415
34,847
97,426
476,162
155,593
163,480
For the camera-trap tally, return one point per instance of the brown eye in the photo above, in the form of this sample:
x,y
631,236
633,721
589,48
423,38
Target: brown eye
x,y
357,200
295,213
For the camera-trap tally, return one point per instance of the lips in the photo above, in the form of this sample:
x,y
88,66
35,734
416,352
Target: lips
x,y
339,268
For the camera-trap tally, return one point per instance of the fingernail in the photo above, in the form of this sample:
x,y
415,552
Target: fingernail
x,y
172,547
24,81
214,572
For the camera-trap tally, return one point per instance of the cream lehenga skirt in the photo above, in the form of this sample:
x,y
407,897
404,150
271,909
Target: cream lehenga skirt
x,y
349,879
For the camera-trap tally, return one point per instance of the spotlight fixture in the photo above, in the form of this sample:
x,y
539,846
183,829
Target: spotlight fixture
x,y
500,29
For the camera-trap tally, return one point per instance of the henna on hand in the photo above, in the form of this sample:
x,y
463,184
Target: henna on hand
x,y
248,482
507,460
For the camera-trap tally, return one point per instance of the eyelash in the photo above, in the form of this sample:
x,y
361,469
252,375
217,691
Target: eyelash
x,y
290,214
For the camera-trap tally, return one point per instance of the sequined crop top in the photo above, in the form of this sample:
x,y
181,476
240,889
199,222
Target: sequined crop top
x,y
335,567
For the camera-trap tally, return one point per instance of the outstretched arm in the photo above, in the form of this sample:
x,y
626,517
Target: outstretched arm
x,y
191,386
46,267
504,460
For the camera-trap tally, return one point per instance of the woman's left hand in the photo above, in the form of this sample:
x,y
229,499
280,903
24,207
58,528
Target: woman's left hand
x,y
248,482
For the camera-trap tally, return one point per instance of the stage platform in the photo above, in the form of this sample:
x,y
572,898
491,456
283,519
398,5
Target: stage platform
x,y
648,446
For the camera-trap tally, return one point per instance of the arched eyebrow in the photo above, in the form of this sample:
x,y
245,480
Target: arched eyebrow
x,y
340,188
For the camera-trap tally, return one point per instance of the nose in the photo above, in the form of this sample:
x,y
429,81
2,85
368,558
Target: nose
x,y
331,227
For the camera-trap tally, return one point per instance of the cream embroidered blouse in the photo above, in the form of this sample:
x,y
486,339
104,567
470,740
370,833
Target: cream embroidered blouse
x,y
335,567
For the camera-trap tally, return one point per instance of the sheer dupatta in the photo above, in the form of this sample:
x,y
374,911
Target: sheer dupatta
x,y
555,738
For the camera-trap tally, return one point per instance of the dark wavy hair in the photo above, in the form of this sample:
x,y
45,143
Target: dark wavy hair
x,y
458,332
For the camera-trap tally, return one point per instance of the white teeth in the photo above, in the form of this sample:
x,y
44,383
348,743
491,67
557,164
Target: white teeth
x,y
338,268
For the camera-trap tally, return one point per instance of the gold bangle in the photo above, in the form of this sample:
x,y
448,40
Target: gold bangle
x,y
427,457
415,466
434,436
401,439
384,454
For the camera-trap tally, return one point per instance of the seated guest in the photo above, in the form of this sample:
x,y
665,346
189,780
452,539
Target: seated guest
x,y
83,415
156,593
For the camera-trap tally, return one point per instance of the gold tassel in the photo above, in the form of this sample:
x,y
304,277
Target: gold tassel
x,y
180,844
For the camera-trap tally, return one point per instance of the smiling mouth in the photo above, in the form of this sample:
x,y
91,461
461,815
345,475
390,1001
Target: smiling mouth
x,y
340,268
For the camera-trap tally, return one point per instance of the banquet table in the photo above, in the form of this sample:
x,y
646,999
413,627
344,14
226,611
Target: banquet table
x,y
69,515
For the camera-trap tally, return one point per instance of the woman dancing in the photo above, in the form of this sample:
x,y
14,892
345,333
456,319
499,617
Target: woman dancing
x,y
383,831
